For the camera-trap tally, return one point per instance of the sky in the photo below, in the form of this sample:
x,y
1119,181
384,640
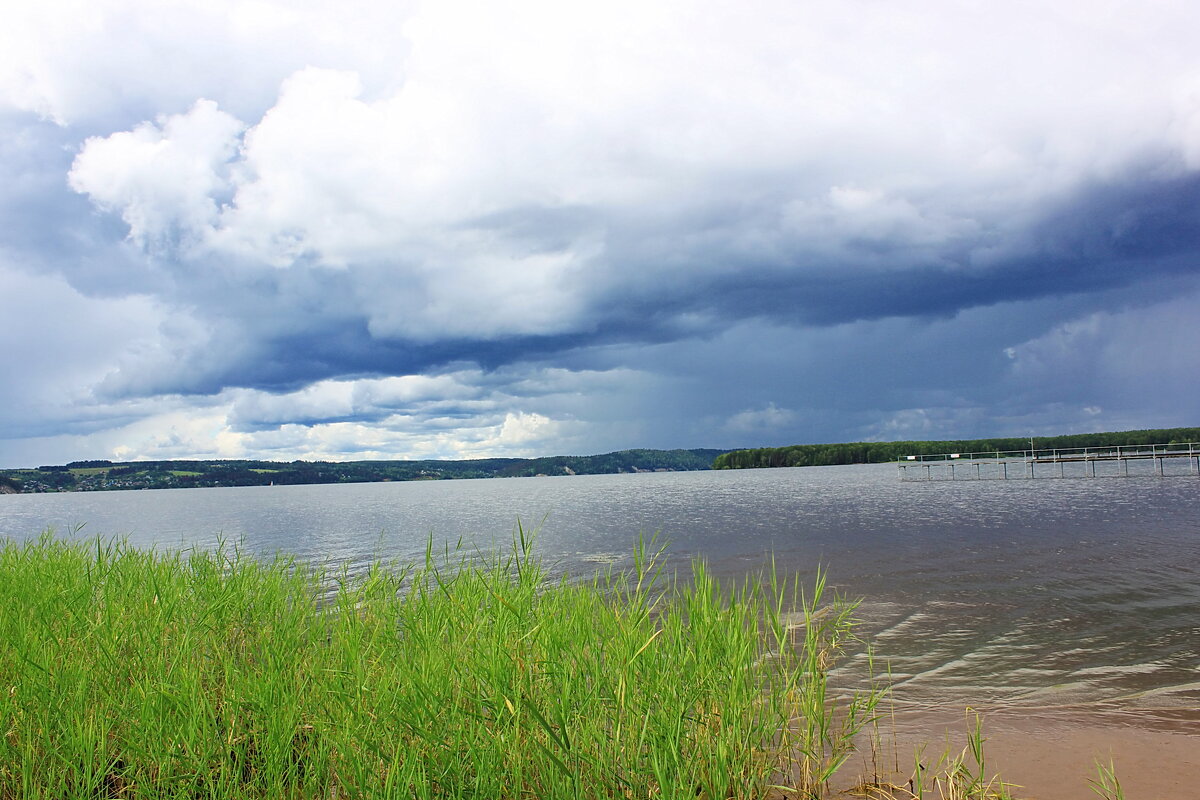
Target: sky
x,y
455,229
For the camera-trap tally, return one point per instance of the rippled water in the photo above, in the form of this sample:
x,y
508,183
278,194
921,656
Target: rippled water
x,y
1047,593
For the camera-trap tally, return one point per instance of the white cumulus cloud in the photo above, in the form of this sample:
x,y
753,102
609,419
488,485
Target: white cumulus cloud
x,y
164,178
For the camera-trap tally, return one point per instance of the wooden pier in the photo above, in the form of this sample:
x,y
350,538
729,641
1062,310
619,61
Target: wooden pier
x,y
1144,460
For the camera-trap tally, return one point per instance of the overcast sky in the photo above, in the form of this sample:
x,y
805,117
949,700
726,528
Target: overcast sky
x,y
347,230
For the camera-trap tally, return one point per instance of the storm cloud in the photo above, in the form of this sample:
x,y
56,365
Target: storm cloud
x,y
455,229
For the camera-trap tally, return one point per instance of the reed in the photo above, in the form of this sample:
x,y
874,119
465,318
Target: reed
x,y
1106,784
133,674
952,776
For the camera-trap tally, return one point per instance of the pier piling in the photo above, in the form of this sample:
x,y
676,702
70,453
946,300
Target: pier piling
x,y
1150,460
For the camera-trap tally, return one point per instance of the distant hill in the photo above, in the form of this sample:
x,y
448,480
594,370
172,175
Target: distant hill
x,y
815,455
108,475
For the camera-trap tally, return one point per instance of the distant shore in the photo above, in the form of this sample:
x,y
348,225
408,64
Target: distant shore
x,y
102,475
820,455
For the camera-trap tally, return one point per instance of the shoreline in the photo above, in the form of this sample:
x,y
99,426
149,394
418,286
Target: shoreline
x,y
245,678
1044,754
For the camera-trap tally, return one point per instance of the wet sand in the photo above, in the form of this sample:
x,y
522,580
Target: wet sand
x,y
1050,754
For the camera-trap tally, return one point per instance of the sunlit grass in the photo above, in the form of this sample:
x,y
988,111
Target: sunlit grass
x,y
126,673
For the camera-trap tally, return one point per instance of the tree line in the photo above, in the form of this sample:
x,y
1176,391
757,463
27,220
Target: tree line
x,y
821,455
106,475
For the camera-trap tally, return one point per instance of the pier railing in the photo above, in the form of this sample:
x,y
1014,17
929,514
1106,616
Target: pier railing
x,y
998,462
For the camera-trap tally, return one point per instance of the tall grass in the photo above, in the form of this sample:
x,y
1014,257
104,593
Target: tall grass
x,y
126,673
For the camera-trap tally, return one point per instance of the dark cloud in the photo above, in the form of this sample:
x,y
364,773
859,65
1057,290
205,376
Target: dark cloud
x,y
280,330
1104,236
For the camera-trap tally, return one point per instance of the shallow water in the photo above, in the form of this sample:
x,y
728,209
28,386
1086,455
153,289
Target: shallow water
x,y
1051,593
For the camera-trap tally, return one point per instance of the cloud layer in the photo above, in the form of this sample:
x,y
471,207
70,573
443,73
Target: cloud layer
x,y
459,229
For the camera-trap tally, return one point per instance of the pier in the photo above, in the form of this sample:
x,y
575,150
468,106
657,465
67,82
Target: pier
x,y
1144,460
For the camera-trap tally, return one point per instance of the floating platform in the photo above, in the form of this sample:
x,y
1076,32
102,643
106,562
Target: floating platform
x,y
1144,460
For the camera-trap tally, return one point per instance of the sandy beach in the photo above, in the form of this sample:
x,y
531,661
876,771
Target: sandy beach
x,y
1051,754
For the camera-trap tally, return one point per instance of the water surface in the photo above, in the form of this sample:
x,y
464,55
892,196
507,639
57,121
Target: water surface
x,y
1048,593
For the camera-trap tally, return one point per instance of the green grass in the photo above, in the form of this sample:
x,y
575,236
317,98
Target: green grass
x,y
126,673
1106,784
